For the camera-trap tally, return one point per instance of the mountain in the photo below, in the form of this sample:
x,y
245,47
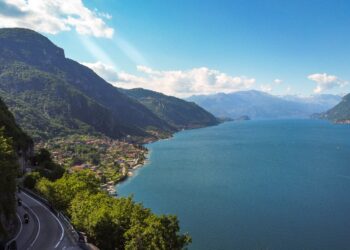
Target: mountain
x,y
15,147
21,141
261,105
177,112
340,113
51,95
22,144
316,103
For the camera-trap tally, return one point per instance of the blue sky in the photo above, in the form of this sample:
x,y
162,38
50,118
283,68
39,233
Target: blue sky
x,y
185,47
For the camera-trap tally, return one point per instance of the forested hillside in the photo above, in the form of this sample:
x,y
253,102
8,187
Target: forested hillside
x,y
51,95
177,112
13,143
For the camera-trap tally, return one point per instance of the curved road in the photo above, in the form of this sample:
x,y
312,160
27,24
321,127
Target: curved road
x,y
44,230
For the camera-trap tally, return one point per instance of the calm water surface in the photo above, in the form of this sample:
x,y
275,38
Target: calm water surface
x,y
253,185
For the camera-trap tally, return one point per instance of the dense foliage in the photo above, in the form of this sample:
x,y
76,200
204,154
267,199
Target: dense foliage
x,y
177,112
51,95
340,112
8,173
13,143
30,179
21,141
111,223
45,165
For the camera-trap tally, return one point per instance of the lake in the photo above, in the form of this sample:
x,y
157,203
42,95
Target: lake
x,y
281,184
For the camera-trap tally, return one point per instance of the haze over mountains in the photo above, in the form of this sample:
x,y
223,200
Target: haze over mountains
x,y
261,105
51,95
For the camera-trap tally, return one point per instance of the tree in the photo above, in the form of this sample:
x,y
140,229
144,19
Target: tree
x,y
31,179
62,191
111,223
42,157
46,166
156,232
8,173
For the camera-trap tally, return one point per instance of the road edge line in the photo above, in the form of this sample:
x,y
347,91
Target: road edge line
x,y
39,227
59,222
20,229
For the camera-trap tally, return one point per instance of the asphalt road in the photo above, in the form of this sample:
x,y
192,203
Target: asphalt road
x,y
44,230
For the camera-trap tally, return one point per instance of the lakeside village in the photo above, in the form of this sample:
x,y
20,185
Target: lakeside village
x,y
343,121
111,160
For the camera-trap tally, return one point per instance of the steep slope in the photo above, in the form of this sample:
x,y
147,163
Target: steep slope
x,y
21,141
51,95
177,112
14,146
260,105
339,113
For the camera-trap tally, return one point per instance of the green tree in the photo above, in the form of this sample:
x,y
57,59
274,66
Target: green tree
x,y
31,179
62,191
156,232
46,166
8,173
42,157
111,223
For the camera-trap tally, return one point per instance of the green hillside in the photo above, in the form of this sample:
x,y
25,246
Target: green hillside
x,y
51,95
340,112
13,141
177,112
20,140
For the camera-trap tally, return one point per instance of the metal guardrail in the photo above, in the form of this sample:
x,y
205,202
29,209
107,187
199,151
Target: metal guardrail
x,y
73,232
77,236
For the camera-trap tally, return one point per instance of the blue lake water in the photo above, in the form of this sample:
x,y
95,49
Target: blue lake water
x,y
253,185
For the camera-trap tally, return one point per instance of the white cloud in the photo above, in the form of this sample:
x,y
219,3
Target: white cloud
x,y
106,71
185,83
326,82
271,86
181,83
266,88
277,81
54,16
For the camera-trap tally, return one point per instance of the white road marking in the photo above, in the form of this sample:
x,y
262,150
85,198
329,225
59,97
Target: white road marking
x,y
20,229
36,216
62,234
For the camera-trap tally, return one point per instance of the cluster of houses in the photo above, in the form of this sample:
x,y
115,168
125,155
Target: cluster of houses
x,y
343,121
114,160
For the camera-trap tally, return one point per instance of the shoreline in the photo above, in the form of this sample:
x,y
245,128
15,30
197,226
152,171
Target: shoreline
x,y
130,173
342,121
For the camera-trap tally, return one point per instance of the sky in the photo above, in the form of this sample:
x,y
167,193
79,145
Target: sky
x,y
193,47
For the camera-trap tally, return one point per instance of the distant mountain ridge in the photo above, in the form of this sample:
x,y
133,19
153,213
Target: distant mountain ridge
x,y
177,112
261,105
